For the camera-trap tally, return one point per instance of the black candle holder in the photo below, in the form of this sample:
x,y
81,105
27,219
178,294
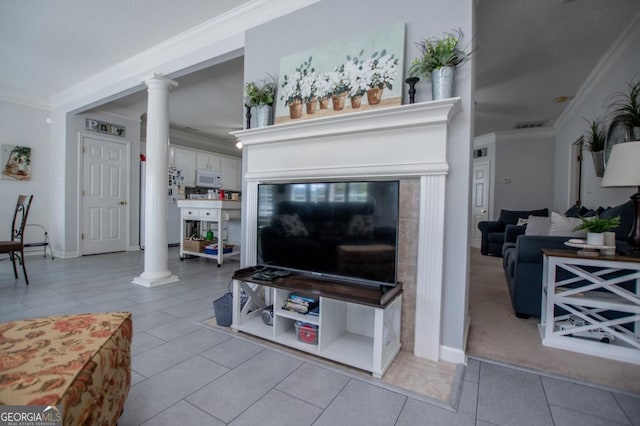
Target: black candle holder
x,y
248,115
411,81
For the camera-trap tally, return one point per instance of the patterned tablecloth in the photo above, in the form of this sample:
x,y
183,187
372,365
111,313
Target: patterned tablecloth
x,y
81,362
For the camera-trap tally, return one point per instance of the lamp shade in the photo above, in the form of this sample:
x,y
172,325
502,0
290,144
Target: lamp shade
x,y
623,167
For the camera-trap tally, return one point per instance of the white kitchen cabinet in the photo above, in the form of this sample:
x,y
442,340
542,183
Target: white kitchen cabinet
x,y
229,173
207,161
239,175
185,160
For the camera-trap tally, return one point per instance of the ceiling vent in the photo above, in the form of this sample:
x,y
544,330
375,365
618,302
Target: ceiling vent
x,y
530,124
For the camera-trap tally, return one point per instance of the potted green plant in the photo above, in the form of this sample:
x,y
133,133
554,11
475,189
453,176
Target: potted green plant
x,y
438,60
595,140
595,226
261,95
625,107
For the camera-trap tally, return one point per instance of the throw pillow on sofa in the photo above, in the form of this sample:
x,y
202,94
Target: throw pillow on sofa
x,y
562,226
361,225
292,226
538,225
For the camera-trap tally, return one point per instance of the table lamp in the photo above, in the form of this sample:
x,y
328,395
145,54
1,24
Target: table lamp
x,y
623,169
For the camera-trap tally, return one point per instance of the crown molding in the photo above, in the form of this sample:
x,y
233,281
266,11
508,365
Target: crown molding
x,y
16,96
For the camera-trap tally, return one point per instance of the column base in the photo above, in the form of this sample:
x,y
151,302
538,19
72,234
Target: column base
x,y
154,282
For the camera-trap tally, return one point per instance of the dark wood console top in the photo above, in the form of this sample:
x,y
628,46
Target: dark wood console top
x,y
347,292
573,254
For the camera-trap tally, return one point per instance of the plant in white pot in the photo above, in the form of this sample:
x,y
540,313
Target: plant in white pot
x,y
596,226
438,61
595,139
261,95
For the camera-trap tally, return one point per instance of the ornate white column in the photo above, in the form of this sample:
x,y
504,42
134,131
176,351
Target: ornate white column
x,y
156,271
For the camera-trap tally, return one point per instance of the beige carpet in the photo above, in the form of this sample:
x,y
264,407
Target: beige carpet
x,y
497,334
434,380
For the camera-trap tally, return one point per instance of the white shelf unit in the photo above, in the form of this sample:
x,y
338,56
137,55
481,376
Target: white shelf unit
x,y
591,289
359,335
213,215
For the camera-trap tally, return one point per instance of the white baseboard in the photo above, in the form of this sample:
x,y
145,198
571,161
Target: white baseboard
x,y
133,248
452,355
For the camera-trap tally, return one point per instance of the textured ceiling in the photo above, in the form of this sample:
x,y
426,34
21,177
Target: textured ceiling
x,y
47,46
530,52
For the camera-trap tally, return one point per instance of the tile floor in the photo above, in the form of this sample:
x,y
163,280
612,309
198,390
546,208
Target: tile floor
x,y
189,374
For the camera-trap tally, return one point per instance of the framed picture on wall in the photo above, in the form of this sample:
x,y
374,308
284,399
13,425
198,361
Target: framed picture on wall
x,y
15,161
343,76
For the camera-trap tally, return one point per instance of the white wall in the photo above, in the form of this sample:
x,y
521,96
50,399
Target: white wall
x,y
613,73
25,125
523,170
333,20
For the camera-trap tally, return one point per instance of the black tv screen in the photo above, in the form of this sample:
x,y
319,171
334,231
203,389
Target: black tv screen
x,y
344,230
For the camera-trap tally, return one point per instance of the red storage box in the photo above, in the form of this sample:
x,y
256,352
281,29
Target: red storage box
x,y
307,333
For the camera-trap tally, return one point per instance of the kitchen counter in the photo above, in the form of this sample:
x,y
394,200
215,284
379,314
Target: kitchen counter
x,y
204,215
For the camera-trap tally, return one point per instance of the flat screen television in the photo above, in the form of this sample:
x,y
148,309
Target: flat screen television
x,y
341,230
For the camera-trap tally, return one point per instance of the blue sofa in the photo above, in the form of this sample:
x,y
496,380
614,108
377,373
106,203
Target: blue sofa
x,y
522,260
493,231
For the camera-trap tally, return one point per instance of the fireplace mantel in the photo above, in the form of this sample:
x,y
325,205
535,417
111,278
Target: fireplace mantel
x,y
407,141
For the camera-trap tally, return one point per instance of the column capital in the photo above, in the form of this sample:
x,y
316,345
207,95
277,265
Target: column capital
x,y
157,78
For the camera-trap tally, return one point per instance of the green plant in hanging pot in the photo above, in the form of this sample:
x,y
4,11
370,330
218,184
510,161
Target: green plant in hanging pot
x,y
595,226
261,95
595,139
438,61
625,107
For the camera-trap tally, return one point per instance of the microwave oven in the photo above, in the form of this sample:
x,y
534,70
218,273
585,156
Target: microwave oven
x,y
207,178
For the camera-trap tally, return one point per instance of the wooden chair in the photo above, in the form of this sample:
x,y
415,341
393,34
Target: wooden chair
x,y
15,247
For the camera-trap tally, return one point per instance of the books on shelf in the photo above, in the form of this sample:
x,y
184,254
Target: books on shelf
x,y
301,304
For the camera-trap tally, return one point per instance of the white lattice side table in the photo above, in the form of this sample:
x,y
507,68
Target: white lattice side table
x,y
591,305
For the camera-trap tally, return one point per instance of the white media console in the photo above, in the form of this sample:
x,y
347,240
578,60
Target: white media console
x,y
357,325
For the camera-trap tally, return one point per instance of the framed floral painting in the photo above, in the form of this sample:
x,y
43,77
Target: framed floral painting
x,y
343,76
15,162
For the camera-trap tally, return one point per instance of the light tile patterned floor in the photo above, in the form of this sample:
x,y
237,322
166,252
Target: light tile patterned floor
x,y
188,374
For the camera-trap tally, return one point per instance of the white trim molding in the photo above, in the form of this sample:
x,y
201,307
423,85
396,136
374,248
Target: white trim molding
x,y
198,46
407,141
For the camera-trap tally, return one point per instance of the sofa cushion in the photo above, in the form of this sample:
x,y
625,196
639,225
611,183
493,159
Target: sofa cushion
x,y
626,213
510,217
576,211
538,225
562,226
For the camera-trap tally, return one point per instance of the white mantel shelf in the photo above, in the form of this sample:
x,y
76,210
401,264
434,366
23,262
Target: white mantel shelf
x,y
401,116
407,141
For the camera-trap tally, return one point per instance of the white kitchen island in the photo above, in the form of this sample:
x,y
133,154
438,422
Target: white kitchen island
x,y
214,215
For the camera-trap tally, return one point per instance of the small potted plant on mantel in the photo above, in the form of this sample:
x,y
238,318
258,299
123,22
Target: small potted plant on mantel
x,y
595,139
438,61
261,95
596,226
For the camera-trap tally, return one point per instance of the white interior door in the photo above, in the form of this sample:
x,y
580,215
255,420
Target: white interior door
x,y
480,198
104,195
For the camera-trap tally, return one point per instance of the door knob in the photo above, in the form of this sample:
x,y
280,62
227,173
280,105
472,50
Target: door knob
x,y
483,211
122,202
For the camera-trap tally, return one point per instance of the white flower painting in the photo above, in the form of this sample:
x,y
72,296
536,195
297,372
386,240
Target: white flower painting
x,y
343,76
